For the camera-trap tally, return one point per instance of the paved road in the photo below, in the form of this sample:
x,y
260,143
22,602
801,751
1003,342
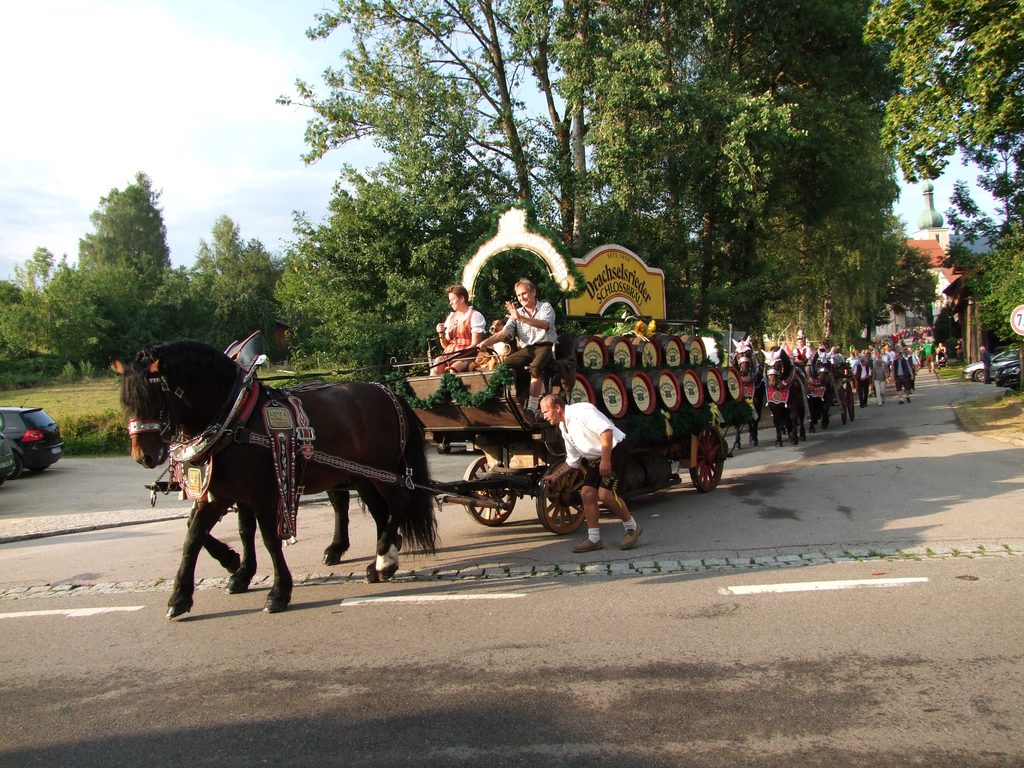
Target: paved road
x,y
504,648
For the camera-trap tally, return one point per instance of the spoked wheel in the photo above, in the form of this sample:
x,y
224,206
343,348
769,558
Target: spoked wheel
x,y
707,469
486,515
559,506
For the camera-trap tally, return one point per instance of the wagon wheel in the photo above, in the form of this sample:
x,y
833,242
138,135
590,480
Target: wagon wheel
x,y
559,506
707,469
486,515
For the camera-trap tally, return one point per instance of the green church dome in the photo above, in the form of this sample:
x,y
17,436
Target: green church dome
x,y
931,218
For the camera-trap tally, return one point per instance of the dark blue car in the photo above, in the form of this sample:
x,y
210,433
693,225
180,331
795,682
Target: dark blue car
x,y
33,437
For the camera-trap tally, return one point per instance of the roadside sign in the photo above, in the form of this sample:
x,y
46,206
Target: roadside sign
x,y
1017,320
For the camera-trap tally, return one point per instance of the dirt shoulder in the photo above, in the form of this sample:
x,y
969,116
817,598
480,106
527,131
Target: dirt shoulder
x,y
999,416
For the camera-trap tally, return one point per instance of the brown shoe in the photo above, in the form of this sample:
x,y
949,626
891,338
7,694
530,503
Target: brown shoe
x,y
630,537
587,546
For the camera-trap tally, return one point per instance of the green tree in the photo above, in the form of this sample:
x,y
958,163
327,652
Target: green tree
x,y
463,83
960,65
235,280
129,232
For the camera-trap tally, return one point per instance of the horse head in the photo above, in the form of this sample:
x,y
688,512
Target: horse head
x,y
171,392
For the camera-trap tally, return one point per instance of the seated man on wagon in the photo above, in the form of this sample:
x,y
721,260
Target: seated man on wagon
x,y
532,325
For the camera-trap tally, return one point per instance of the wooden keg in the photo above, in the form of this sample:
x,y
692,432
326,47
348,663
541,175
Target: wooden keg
x,y
642,392
670,391
696,352
714,384
673,353
582,391
591,353
620,351
648,354
693,387
733,383
611,393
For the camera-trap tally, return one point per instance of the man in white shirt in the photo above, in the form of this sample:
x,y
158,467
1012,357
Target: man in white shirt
x,y
593,442
533,325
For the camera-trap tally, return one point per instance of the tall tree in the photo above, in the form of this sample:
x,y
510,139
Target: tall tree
x,y
129,232
462,81
235,280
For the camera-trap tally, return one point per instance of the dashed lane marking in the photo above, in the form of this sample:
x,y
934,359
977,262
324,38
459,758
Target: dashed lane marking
x,y
816,586
72,613
430,598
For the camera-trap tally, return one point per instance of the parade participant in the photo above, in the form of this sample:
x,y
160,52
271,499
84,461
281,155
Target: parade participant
x,y
928,353
802,352
880,370
986,364
463,328
595,443
902,371
532,325
862,375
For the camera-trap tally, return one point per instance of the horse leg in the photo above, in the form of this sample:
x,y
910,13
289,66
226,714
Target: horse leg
x,y
389,542
340,543
242,576
222,553
280,594
205,515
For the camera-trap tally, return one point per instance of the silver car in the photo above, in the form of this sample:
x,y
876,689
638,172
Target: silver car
x,y
976,371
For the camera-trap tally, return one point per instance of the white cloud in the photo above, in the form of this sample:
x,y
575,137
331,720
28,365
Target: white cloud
x,y
183,91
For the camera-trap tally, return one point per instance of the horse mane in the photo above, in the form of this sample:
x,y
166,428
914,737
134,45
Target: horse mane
x,y
186,364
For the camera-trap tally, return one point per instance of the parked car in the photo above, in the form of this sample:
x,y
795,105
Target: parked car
x,y
33,436
1008,376
976,371
6,459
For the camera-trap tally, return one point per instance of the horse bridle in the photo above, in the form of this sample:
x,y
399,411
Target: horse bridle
x,y
163,425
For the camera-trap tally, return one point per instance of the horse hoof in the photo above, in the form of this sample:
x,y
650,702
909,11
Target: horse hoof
x,y
332,555
371,574
275,605
812,429
177,610
237,585
388,573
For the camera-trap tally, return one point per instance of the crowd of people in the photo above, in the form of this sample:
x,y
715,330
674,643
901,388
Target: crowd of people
x,y
877,368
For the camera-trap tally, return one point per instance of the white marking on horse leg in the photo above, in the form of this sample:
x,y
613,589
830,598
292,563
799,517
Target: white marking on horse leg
x,y
388,559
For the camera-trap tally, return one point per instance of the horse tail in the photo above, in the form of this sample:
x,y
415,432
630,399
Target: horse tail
x,y
419,522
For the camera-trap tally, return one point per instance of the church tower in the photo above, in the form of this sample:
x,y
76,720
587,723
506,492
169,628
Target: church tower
x,y
930,223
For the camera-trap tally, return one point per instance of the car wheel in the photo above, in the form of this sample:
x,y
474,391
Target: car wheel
x,y
19,467
978,376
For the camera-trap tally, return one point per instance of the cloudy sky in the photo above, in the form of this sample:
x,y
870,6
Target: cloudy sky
x,y
184,91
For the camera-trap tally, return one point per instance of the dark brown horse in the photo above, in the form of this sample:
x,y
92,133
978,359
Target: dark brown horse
x,y
194,401
748,363
787,398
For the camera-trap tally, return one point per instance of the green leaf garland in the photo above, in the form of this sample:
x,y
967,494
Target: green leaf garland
x,y
450,389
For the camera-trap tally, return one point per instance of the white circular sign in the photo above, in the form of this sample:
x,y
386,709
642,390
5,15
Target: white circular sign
x,y
1017,320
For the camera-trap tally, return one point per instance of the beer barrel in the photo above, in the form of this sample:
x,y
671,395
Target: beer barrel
x,y
582,391
733,383
670,391
641,391
591,353
714,384
648,354
673,353
693,387
611,393
620,351
696,352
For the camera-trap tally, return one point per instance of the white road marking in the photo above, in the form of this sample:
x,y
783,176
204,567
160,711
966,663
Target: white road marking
x,y
431,598
72,613
814,586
